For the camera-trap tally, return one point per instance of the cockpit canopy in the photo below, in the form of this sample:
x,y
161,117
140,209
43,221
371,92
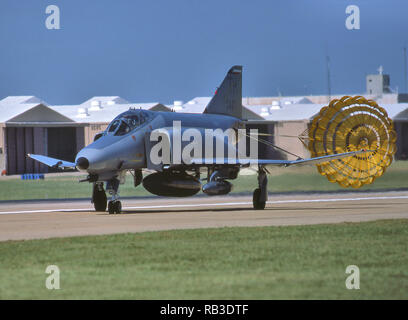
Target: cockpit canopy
x,y
127,122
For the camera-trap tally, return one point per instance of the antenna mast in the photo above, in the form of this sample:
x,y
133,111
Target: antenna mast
x,y
328,77
405,69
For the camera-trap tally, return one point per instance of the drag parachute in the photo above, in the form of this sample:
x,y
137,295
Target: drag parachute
x,y
352,124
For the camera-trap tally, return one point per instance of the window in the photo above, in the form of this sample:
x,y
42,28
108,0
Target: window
x,y
126,123
143,117
132,121
123,129
113,125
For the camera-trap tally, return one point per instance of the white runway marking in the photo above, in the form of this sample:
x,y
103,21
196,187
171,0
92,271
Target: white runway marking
x,y
212,204
44,211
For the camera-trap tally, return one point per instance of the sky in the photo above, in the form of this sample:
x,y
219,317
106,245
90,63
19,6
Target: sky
x,y
161,50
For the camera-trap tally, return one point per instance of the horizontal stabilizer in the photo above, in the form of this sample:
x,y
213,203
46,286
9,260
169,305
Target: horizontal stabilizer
x,y
52,162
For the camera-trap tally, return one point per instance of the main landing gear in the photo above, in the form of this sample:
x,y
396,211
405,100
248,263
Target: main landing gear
x,y
260,195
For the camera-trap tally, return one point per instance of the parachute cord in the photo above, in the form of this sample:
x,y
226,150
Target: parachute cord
x,y
272,145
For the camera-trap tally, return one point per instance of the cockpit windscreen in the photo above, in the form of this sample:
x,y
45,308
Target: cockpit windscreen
x,y
126,123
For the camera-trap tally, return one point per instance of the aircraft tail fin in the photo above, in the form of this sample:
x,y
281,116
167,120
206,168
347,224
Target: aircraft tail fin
x,y
228,97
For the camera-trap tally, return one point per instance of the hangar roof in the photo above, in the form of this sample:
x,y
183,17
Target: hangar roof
x,y
296,112
102,109
7,113
84,114
292,112
105,100
28,109
396,111
198,104
402,116
94,110
22,100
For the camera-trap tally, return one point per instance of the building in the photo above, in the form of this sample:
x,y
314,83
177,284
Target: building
x,y
30,125
378,84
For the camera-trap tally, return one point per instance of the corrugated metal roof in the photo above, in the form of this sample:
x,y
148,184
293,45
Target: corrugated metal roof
x,y
22,100
82,114
295,112
9,111
12,106
105,110
402,116
292,112
394,109
106,100
196,105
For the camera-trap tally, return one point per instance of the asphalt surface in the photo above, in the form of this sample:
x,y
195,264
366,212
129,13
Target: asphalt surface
x,y
49,219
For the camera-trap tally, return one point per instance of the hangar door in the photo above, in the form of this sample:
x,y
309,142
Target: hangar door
x,y
402,140
62,144
19,142
59,142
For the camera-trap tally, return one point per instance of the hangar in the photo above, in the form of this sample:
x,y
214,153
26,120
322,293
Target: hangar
x,y
30,125
400,118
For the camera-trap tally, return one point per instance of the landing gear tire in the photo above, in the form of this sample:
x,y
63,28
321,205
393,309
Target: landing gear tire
x,y
256,200
118,207
99,200
114,207
110,207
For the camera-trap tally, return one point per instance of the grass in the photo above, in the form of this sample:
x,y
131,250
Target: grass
x,y
282,180
295,262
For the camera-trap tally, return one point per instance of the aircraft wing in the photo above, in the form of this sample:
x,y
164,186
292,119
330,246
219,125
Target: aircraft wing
x,y
281,163
52,162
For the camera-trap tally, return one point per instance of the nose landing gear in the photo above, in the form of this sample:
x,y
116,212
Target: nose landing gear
x,y
114,205
99,199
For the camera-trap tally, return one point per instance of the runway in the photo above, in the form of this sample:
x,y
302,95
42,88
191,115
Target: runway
x,y
48,219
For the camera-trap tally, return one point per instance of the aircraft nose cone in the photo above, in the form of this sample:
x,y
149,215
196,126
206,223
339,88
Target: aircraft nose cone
x,y
82,163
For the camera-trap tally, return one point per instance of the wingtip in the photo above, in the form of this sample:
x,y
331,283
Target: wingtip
x,y
235,69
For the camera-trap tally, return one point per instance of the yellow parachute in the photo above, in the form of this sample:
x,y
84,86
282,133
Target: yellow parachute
x,y
351,124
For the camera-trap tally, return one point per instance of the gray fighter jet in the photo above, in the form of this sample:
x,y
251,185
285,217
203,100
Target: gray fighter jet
x,y
158,143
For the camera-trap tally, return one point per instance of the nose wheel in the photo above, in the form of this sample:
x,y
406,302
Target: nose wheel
x,y
114,207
